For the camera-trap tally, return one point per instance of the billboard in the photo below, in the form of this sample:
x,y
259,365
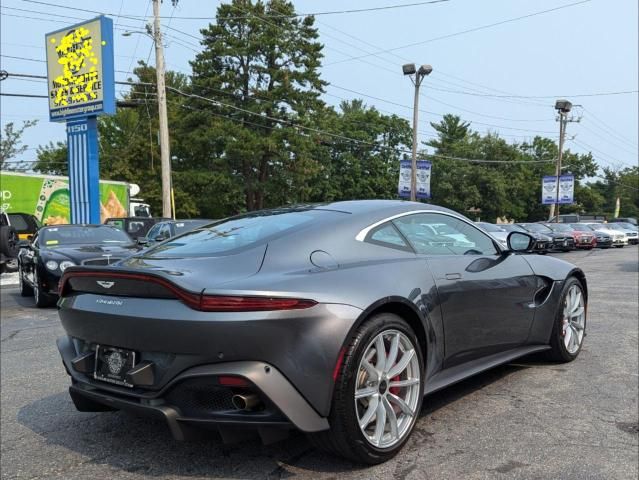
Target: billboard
x,y
549,189
424,169
48,197
80,71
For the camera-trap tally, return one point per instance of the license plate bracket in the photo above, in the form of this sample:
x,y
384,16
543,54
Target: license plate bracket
x,y
112,364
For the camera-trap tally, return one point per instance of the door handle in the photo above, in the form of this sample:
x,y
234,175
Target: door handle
x,y
453,276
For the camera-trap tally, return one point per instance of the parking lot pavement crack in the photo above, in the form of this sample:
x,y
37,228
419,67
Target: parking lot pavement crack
x,y
10,336
281,470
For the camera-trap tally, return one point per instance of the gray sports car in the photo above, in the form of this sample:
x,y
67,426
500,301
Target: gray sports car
x,y
334,319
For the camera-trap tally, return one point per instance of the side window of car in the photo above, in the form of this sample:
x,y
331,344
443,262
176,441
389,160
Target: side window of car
x,y
165,231
135,227
386,235
438,234
155,229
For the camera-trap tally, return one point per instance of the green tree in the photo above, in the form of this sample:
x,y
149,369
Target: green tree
x,y
365,163
260,67
11,144
52,159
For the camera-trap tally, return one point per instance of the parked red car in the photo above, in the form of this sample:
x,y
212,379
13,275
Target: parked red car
x,y
583,235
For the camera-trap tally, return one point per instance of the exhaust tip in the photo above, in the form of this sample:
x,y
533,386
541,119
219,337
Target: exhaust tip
x,y
246,402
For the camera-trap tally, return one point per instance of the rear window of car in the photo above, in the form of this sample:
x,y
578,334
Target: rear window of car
x,y
236,233
19,223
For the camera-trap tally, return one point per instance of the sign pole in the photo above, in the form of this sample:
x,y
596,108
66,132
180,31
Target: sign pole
x,y
84,169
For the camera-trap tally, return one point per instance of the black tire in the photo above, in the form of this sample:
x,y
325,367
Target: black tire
x,y
9,241
42,300
345,437
25,290
558,351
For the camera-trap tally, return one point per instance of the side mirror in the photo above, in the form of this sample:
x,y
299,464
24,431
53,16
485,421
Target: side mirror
x,y
143,241
160,238
520,242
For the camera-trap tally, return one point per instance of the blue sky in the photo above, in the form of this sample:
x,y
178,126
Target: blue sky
x,y
584,49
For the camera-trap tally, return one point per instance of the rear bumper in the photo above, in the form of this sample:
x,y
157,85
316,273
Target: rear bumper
x,y
284,407
301,344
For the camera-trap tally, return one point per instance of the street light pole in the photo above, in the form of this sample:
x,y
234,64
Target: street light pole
x,y
165,153
416,77
563,107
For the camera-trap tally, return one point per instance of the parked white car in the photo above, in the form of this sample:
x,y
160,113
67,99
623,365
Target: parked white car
x,y
495,231
628,228
619,238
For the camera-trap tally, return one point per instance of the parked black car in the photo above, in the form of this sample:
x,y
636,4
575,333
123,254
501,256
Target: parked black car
x,y
135,227
170,228
561,240
54,249
333,319
543,243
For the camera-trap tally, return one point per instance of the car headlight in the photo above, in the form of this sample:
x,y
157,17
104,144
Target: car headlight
x,y
51,265
66,264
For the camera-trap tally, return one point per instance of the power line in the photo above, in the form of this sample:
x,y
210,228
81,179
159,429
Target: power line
x,y
463,32
608,129
24,95
595,94
438,114
332,12
23,58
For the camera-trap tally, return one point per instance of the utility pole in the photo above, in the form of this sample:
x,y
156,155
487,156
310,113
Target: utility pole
x,y
563,108
416,77
165,152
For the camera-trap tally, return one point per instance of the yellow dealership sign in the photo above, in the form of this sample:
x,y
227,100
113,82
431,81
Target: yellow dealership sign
x,y
80,70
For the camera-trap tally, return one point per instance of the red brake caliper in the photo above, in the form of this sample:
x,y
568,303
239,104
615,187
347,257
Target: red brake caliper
x,y
394,390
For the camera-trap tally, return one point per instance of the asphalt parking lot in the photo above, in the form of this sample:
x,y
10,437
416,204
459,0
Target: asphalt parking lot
x,y
525,420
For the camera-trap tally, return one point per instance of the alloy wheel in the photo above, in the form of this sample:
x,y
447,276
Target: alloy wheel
x,y
574,319
387,389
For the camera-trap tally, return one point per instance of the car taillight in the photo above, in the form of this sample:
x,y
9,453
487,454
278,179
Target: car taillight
x,y
199,301
221,303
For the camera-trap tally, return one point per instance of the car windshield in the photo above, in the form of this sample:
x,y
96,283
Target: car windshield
x,y
236,233
489,227
580,227
78,235
560,227
627,226
535,227
616,226
511,227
